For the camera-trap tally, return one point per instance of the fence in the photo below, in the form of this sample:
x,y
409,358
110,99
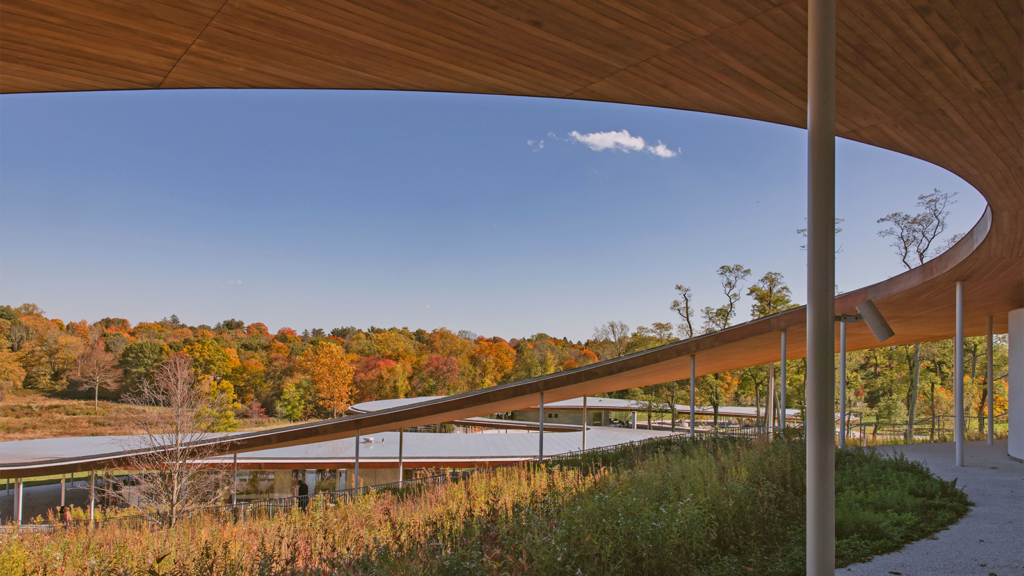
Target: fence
x,y
937,428
746,432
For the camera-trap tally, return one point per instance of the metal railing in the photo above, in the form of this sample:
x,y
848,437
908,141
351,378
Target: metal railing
x,y
679,437
939,428
272,506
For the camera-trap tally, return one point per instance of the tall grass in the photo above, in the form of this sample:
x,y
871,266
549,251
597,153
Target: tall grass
x,y
669,507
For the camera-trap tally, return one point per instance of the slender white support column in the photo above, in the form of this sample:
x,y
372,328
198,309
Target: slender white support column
x,y
958,382
62,489
821,213
693,393
92,497
234,479
540,443
585,422
634,420
782,384
18,496
769,404
842,384
1015,384
355,475
988,383
401,448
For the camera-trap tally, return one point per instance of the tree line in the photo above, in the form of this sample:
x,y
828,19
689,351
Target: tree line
x,y
244,371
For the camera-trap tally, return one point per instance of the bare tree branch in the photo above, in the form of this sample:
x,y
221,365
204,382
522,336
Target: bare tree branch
x,y
170,451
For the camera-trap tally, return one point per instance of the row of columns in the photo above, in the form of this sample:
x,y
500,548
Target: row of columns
x,y
958,378
19,496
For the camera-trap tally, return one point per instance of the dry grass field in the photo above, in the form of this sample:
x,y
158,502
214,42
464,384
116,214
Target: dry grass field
x,y
31,414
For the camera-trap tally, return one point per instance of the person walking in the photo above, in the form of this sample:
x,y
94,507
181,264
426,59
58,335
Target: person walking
x,y
303,494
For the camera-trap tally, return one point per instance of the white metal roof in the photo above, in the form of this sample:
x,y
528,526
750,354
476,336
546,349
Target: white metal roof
x,y
418,447
593,403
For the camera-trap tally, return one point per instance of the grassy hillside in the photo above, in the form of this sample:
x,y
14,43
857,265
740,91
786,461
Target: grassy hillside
x,y
31,414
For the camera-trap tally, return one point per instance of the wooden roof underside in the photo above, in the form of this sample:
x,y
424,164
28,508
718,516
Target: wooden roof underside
x,y
939,80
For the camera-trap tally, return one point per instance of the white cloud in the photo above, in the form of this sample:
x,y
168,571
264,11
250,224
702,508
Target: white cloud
x,y
661,150
621,140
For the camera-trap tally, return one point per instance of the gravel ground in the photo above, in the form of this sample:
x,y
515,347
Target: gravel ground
x,y
989,541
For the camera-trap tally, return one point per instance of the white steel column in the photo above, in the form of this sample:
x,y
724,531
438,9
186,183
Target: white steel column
x,y
988,382
842,384
355,475
769,402
401,448
540,443
782,383
821,213
1015,384
62,491
234,478
958,382
92,497
18,496
585,422
693,392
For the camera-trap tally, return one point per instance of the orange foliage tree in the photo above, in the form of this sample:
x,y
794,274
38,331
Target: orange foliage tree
x,y
493,359
328,368
378,378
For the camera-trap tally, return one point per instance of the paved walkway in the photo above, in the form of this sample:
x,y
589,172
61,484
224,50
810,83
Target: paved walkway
x,y
38,499
989,540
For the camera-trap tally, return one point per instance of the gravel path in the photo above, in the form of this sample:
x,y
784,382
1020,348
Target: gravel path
x,y
988,541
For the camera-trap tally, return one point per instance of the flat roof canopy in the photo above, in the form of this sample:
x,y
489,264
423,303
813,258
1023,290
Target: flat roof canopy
x,y
593,403
943,82
420,450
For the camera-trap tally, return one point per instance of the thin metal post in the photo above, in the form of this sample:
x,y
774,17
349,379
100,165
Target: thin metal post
x,y
634,420
355,476
92,497
672,409
585,422
62,476
401,446
988,384
234,479
782,383
693,393
540,442
769,402
958,396
18,497
842,384
821,213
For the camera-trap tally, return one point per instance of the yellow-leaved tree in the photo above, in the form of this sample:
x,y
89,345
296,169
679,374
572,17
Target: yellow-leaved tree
x,y
330,371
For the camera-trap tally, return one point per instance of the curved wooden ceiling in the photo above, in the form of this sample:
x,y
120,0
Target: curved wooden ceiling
x,y
939,80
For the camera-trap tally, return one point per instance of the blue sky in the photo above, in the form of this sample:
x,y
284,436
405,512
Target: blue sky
x,y
322,208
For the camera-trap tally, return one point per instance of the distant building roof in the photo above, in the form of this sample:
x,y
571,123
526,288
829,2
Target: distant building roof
x,y
593,403
420,450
